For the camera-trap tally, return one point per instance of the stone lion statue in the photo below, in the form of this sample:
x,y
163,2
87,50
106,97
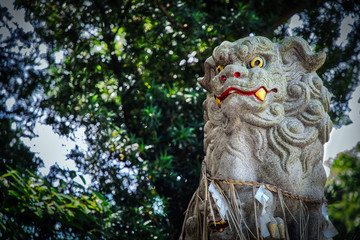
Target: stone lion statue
x,y
265,125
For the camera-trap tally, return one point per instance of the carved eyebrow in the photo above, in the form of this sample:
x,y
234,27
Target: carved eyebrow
x,y
221,63
270,54
267,56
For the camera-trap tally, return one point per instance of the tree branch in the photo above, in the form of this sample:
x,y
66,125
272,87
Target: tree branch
x,y
286,16
285,10
169,17
126,9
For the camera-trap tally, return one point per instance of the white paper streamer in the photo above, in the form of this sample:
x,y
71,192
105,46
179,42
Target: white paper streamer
x,y
219,200
261,196
330,231
264,218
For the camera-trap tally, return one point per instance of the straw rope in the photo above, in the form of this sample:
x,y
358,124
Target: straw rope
x,y
271,188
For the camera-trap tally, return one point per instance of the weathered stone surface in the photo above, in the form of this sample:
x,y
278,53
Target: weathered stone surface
x,y
265,124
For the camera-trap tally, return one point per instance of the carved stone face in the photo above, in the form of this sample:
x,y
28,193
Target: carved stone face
x,y
249,79
253,77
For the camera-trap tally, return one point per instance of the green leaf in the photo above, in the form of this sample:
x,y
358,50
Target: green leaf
x,y
58,207
72,174
99,195
83,179
49,210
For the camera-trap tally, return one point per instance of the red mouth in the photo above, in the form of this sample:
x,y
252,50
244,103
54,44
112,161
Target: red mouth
x,y
218,226
259,93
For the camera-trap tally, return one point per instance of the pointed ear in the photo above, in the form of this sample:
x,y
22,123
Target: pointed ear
x,y
209,74
297,47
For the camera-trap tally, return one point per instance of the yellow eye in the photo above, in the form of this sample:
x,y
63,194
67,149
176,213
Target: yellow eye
x,y
257,62
219,69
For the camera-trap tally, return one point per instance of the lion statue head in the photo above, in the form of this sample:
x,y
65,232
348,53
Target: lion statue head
x,y
266,120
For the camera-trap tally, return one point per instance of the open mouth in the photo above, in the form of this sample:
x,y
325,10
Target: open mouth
x,y
259,93
218,226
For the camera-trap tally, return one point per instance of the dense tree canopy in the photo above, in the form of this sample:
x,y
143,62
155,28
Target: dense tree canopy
x,y
126,71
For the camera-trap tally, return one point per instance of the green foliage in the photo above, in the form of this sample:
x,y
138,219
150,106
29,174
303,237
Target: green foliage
x,y
128,76
31,208
343,193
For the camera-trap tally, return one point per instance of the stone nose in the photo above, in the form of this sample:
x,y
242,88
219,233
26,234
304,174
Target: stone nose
x,y
233,71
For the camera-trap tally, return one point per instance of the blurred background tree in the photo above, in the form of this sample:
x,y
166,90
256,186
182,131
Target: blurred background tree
x,y
343,193
126,71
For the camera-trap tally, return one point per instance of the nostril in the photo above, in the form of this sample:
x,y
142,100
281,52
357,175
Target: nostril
x,y
223,78
237,74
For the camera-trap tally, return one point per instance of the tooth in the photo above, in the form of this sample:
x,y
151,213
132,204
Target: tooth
x,y
261,93
218,102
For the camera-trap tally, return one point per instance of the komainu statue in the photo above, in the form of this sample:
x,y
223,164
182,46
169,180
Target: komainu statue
x,y
266,123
